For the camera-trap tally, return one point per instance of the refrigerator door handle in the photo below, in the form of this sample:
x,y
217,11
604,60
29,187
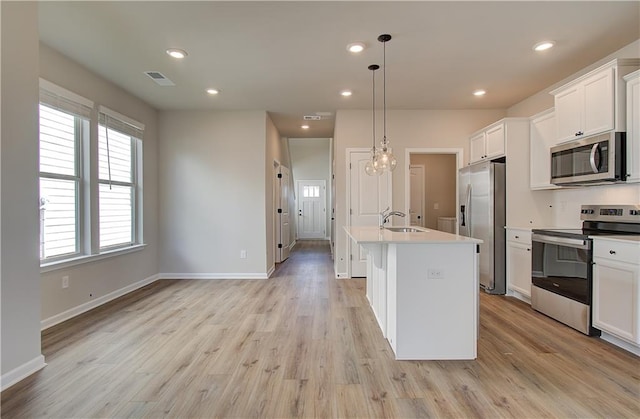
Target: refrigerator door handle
x,y
469,208
462,223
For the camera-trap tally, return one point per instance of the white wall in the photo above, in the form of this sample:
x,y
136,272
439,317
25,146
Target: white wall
x,y
94,281
212,173
20,288
311,160
405,129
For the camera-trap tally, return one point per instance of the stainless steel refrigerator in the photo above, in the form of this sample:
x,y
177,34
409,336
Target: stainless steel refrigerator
x,y
482,216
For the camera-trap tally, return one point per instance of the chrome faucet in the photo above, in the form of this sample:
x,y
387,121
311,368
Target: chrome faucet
x,y
384,216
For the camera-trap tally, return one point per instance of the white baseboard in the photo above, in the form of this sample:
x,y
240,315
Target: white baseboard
x,y
620,343
22,372
272,269
177,275
82,308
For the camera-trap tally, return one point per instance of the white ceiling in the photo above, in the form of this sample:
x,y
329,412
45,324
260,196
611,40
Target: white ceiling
x,y
290,58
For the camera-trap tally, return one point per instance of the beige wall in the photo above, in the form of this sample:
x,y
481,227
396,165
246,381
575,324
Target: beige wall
x,y
441,175
213,195
97,279
20,285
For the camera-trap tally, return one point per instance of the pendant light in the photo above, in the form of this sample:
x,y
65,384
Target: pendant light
x,y
385,160
370,167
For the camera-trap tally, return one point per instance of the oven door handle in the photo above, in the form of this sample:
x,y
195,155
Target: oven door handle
x,y
565,241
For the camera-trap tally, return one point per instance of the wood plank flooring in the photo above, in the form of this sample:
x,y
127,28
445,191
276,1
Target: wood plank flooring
x,y
304,344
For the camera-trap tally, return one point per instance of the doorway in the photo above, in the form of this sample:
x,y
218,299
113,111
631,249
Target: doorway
x,y
282,222
440,185
417,191
311,209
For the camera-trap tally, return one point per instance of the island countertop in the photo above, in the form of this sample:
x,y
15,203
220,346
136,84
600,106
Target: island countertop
x,y
372,234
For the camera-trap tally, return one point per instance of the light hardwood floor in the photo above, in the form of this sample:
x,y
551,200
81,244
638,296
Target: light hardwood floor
x,y
304,344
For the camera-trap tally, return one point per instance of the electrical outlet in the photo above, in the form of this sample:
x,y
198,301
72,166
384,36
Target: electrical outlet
x,y
243,254
65,281
434,273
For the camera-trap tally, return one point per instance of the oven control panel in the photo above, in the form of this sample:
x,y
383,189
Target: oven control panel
x,y
618,213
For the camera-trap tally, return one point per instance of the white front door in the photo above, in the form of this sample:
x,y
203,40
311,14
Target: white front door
x,y
311,209
416,205
368,196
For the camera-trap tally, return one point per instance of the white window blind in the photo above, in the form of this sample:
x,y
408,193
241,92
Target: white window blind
x,y
59,144
117,179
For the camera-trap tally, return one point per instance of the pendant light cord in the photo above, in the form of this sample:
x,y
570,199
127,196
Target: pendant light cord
x,y
384,95
373,101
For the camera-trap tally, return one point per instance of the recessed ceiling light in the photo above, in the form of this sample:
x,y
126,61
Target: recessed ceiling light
x,y
544,45
304,126
356,47
177,53
479,92
213,91
346,93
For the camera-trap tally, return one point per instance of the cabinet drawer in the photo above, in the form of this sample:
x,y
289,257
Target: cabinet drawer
x,y
615,250
519,236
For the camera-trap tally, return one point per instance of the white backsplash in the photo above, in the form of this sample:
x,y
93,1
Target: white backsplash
x,y
566,202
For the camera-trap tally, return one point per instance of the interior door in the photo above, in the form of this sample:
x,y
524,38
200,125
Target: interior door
x,y
416,197
284,239
311,209
368,196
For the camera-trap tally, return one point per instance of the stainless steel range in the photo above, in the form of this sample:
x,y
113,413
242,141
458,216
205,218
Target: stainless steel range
x,y
561,263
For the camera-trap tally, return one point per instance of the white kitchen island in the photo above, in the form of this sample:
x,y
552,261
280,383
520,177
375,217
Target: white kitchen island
x,y
423,288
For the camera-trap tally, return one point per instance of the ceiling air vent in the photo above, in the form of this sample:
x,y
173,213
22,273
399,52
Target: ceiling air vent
x,y
312,117
159,78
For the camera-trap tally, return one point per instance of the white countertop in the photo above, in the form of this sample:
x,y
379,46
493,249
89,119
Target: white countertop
x,y
633,239
372,234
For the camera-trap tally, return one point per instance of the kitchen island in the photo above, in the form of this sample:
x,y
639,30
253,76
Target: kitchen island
x,y
423,288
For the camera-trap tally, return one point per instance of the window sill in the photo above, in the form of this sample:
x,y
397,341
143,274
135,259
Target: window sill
x,y
79,260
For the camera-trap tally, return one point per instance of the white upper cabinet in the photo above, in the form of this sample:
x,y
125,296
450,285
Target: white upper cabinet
x,y
488,143
593,103
633,126
542,137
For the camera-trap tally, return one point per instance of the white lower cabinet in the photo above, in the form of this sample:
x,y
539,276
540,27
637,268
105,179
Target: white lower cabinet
x,y
616,288
519,263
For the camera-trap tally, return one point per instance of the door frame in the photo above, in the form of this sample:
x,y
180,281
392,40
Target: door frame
x,y
422,194
277,198
459,153
347,209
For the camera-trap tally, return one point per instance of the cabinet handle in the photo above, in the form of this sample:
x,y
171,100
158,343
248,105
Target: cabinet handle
x,y
579,133
517,237
528,250
612,252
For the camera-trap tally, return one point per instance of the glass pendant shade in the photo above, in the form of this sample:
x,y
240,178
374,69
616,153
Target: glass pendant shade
x,y
386,160
371,168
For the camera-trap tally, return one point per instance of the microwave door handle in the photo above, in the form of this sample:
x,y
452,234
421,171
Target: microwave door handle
x,y
592,158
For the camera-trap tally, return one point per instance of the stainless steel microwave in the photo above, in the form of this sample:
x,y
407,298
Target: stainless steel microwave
x,y
597,159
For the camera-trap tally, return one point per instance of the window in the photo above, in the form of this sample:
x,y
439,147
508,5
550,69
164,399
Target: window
x,y
71,226
119,146
311,191
64,123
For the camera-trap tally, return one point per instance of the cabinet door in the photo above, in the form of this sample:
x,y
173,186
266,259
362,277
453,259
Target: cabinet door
x,y
598,103
633,129
494,142
615,298
568,106
519,268
542,138
477,148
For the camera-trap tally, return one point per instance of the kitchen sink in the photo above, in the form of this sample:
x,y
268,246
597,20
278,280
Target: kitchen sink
x,y
405,230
